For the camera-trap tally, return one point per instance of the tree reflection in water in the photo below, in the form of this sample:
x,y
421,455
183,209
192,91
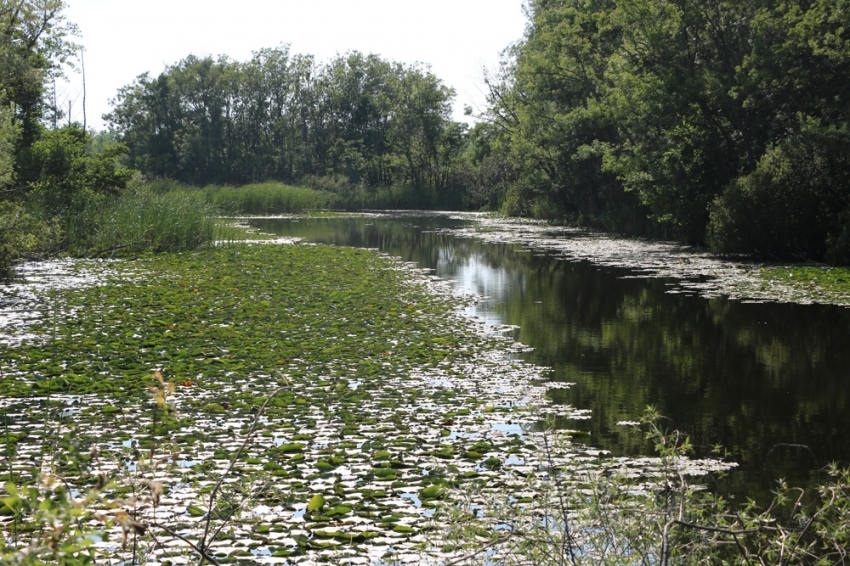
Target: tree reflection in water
x,y
754,378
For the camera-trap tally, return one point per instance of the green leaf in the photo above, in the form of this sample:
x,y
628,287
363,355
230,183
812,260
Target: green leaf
x,y
317,503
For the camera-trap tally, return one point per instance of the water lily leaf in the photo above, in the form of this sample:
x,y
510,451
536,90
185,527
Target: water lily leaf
x,y
317,502
432,492
403,529
195,511
340,510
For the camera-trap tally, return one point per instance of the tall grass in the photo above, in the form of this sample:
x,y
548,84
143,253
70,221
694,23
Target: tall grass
x,y
403,197
278,198
269,198
140,220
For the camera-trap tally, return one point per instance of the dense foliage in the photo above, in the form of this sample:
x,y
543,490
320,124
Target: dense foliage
x,y
721,122
61,187
358,120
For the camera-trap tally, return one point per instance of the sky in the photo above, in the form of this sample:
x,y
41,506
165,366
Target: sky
x,y
125,38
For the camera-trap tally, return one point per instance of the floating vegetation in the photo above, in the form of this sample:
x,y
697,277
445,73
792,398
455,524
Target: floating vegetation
x,y
696,271
380,403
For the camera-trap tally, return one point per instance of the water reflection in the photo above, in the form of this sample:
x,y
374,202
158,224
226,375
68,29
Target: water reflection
x,y
756,378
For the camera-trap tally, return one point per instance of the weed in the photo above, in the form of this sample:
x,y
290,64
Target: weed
x,y
674,514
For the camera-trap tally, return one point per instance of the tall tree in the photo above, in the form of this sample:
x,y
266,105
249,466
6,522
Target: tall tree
x,y
368,121
690,118
34,45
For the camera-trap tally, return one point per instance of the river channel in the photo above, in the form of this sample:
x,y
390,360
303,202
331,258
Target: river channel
x,y
769,382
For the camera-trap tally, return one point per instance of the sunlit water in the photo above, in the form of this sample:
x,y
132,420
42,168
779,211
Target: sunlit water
x,y
769,382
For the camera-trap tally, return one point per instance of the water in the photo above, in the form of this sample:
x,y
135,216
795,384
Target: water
x,y
769,382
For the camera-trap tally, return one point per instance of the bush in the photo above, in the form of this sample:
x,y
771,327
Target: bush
x,y
795,203
21,233
518,201
337,184
69,177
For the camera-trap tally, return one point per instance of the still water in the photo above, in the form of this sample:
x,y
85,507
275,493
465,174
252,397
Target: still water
x,y
769,382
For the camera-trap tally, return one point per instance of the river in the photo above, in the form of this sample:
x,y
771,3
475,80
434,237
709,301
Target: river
x,y
769,382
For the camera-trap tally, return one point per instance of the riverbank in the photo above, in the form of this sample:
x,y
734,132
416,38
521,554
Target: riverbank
x,y
695,270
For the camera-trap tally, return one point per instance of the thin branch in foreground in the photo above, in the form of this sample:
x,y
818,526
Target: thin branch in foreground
x,y
481,550
191,544
214,493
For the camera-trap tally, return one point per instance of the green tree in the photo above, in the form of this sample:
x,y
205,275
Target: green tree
x,y
358,120
34,46
424,139
8,139
69,176
663,117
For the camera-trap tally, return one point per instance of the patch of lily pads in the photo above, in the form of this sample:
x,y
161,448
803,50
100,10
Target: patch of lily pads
x,y
696,270
382,403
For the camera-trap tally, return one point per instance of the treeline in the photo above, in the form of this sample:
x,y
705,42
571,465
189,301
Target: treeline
x,y
63,189
358,121
712,121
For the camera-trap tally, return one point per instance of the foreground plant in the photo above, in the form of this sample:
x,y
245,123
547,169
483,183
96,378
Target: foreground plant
x,y
676,515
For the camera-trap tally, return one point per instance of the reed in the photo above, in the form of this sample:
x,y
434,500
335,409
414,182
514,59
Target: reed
x,y
269,198
142,220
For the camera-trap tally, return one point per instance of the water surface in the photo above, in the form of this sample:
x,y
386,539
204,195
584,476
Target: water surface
x,y
769,382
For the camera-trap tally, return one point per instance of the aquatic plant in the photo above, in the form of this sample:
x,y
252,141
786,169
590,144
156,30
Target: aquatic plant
x,y
390,399
269,198
324,403
669,514
141,220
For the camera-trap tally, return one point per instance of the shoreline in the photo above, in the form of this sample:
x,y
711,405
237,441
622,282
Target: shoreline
x,y
696,270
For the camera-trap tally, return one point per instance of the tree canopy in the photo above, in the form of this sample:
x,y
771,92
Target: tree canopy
x,y
281,116
710,121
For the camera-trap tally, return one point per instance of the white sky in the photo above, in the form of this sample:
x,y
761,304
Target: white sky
x,y
125,38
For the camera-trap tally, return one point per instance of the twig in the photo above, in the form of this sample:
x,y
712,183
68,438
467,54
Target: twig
x,y
484,548
191,544
239,507
789,445
114,249
567,540
717,529
214,493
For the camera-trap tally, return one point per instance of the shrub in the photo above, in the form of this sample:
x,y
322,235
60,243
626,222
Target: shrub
x,y
269,198
793,205
69,177
21,233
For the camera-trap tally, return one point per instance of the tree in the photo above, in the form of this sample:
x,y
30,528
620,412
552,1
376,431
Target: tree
x,y
69,176
34,45
667,117
8,139
358,120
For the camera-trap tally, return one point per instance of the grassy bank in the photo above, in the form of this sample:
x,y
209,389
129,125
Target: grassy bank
x,y
820,283
279,198
139,220
269,198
